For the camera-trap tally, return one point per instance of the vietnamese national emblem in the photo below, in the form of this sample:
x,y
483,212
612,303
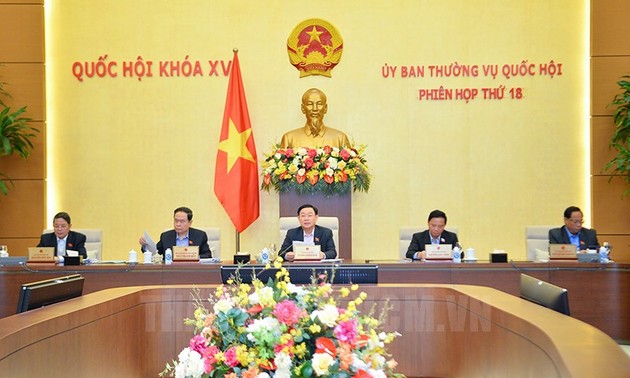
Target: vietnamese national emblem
x,y
314,47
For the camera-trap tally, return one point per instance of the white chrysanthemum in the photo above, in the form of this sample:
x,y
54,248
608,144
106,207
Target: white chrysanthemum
x,y
328,315
254,299
264,375
332,162
321,363
352,153
357,363
268,326
301,151
283,363
330,171
223,305
190,364
301,172
377,373
277,156
298,290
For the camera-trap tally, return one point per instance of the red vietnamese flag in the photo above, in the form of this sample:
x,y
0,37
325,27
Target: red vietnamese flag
x,y
236,170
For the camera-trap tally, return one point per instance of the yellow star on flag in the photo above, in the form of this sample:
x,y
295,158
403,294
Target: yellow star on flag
x,y
314,35
235,145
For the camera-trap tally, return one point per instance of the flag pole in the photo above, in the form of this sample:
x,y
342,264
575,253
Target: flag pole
x,y
238,241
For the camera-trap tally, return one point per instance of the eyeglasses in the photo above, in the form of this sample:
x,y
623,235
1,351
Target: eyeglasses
x,y
576,221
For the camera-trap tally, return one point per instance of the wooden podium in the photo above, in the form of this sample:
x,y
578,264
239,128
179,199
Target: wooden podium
x,y
334,206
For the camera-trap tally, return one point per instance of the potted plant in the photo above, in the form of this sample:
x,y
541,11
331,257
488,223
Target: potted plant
x,y
15,134
620,140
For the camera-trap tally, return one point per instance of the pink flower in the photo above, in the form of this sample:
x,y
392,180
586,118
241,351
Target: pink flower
x,y
345,154
230,357
346,331
209,358
287,312
198,344
311,152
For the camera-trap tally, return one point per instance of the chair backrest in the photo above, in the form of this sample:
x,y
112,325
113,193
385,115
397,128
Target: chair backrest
x,y
287,223
537,238
214,240
93,243
406,234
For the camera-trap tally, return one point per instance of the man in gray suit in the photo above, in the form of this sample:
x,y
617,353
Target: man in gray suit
x,y
572,232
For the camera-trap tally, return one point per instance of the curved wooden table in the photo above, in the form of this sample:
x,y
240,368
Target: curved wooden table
x,y
447,331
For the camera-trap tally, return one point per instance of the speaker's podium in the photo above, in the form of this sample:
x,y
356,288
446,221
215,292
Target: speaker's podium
x,y
339,206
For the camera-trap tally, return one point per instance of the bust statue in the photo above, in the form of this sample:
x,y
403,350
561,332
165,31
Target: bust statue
x,y
314,133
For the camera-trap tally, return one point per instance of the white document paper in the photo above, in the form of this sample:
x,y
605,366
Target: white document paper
x,y
151,246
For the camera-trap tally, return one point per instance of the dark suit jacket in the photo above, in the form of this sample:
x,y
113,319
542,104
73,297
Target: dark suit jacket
x,y
74,242
323,236
420,239
588,237
195,237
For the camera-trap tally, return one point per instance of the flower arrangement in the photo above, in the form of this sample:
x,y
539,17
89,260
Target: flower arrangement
x,y
329,170
277,329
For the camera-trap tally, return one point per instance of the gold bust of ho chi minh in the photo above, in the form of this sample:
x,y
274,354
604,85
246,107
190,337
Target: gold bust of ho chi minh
x,y
314,133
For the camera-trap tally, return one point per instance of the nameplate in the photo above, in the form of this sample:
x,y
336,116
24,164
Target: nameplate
x,y
41,254
306,252
438,252
190,253
562,252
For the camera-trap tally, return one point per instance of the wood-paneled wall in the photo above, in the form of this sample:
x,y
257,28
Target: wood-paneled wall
x,y
22,67
610,59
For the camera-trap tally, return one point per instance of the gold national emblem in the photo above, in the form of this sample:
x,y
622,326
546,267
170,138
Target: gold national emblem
x,y
314,47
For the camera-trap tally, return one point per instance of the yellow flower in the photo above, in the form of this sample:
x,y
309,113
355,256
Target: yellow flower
x,y
300,350
344,291
354,287
315,328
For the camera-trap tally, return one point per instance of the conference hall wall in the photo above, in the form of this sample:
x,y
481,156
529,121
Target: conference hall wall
x,y
502,146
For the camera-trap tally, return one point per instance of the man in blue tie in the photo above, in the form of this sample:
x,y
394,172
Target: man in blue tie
x,y
63,238
573,233
435,234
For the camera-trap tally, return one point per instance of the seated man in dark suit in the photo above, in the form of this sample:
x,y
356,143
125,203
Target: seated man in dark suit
x,y
63,239
572,232
182,235
436,234
309,231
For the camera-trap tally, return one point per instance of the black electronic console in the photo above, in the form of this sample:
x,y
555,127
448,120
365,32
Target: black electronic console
x,y
47,292
545,294
306,273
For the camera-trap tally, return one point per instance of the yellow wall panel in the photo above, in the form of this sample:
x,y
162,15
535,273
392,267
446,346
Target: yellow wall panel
x,y
26,84
613,210
605,73
22,210
610,27
22,31
19,246
601,132
34,167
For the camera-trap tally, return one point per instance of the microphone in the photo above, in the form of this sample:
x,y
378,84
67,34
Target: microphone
x,y
283,251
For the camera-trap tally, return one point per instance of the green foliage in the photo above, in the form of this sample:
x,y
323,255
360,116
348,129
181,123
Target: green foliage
x,y
620,140
15,135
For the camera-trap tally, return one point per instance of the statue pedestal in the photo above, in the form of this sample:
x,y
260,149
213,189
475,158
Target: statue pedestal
x,y
335,206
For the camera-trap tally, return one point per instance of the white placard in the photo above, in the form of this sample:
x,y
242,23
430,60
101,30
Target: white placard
x,y
438,252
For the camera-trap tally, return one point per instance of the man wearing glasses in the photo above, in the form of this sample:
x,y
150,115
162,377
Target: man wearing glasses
x,y
572,232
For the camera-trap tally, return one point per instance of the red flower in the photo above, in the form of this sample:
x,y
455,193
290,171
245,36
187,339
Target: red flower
x,y
267,179
327,150
313,180
362,374
325,345
255,309
343,176
288,152
329,179
311,153
300,179
308,162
